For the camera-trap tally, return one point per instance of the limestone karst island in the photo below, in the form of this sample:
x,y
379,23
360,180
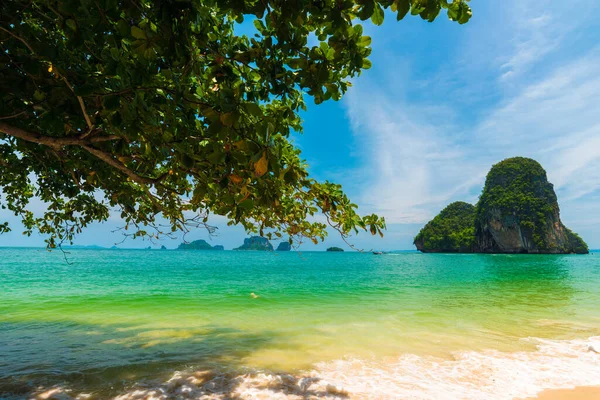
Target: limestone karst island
x,y
517,212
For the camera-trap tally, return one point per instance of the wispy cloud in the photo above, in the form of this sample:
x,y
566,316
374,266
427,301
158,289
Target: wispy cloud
x,y
555,121
412,159
532,42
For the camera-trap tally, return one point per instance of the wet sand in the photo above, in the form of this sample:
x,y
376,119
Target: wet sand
x,y
580,393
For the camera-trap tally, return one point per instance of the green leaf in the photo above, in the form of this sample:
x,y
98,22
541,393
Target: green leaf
x,y
253,109
403,8
187,161
39,95
259,25
247,204
365,41
367,10
378,15
230,118
366,64
71,24
138,33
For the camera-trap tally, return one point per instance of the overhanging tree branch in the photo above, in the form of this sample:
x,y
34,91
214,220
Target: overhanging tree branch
x,y
54,142
14,115
108,159
57,143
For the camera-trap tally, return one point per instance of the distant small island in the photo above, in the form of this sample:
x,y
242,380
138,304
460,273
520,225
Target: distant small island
x,y
517,212
335,249
284,246
257,243
198,245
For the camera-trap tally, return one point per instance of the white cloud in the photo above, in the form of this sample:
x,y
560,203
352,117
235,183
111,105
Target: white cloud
x,y
416,162
412,161
556,122
531,43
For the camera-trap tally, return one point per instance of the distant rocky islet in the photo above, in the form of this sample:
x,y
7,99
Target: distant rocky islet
x,y
256,243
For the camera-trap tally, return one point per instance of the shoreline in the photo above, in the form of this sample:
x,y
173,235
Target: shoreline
x,y
557,370
210,386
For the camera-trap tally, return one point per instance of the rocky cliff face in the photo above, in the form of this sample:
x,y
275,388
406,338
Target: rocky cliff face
x,y
518,212
256,243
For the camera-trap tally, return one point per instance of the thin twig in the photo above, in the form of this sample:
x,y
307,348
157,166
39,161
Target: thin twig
x,y
18,38
81,104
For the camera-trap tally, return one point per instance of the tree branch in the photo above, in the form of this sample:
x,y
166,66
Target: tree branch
x,y
54,142
57,143
18,38
14,115
108,159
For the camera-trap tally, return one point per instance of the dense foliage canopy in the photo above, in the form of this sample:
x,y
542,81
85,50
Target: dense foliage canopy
x,y
161,107
452,230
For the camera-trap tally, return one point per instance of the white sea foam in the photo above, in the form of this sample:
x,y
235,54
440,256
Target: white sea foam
x,y
487,375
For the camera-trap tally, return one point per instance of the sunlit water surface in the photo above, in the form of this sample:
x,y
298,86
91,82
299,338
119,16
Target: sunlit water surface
x,y
112,318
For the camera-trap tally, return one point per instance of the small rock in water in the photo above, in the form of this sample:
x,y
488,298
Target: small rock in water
x,y
254,296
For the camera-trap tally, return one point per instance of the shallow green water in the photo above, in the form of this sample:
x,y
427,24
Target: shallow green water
x,y
114,317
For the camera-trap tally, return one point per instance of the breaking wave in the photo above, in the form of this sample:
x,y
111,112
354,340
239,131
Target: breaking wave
x,y
486,375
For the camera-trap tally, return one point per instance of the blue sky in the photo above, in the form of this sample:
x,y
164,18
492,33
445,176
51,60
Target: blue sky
x,y
442,103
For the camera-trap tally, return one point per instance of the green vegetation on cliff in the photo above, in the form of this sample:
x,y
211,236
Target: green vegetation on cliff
x,y
451,231
576,243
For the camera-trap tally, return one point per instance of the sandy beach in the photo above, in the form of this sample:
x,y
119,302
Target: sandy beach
x,y
580,393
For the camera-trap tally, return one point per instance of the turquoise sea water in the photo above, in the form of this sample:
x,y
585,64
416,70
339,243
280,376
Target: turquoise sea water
x,y
110,319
